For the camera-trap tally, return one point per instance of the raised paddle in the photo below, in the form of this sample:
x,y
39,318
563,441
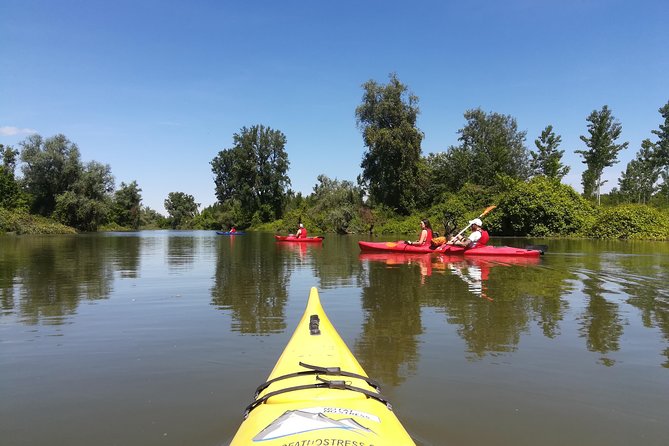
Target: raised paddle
x,y
485,212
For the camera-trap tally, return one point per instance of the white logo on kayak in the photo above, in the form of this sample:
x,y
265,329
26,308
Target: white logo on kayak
x,y
297,422
342,411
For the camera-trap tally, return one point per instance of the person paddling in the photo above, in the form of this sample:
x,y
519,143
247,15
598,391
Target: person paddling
x,y
301,232
478,237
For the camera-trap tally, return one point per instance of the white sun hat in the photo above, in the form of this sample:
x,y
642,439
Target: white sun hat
x,y
476,221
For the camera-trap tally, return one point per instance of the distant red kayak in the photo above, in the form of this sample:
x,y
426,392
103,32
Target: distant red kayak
x,y
292,238
401,246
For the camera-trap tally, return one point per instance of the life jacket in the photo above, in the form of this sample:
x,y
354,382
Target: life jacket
x,y
428,239
483,240
302,233
233,230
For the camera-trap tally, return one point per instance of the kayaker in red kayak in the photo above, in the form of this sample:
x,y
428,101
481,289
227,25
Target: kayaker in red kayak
x,y
478,237
425,234
301,232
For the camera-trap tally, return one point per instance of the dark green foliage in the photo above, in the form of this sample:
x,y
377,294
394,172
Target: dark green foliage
x,y
20,222
663,138
127,205
491,148
50,167
151,219
390,167
10,192
87,203
547,161
80,212
181,208
603,151
637,183
336,204
254,173
9,189
540,207
495,147
631,221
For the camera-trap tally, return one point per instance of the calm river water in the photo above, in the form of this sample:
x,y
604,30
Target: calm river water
x,y
160,337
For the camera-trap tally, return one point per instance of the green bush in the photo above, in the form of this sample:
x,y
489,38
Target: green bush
x,y
540,208
630,221
21,222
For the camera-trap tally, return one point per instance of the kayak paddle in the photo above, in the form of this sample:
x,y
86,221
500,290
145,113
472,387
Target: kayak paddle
x,y
485,212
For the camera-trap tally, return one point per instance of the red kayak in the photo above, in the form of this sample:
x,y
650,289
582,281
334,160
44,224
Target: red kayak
x,y
399,246
497,251
292,238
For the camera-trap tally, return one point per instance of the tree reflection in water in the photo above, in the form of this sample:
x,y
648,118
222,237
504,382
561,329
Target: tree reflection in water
x,y
250,282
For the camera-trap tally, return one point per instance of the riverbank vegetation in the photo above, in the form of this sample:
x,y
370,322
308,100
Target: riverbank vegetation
x,y
56,192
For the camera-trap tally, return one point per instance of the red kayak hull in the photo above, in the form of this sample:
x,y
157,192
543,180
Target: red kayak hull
x,y
399,246
290,238
494,251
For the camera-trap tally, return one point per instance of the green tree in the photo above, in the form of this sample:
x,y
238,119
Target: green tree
x,y
150,218
638,181
8,154
87,203
447,171
50,167
547,161
496,146
387,119
337,203
491,149
127,205
662,152
603,151
662,145
10,193
254,173
181,209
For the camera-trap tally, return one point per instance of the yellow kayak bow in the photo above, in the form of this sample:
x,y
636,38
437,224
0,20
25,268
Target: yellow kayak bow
x,y
319,395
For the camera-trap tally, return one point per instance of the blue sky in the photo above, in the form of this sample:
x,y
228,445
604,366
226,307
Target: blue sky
x,y
156,89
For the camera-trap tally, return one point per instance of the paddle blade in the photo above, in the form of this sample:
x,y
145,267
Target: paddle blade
x,y
542,248
488,209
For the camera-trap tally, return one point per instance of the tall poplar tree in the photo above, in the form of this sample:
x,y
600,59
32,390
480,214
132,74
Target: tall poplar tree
x,y
638,180
391,165
662,151
547,161
603,151
662,145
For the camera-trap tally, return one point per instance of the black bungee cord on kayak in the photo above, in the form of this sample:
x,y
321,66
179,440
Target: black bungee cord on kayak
x,y
323,384
318,370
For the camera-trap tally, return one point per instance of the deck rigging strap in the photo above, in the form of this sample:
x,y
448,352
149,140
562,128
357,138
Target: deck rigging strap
x,y
318,370
323,384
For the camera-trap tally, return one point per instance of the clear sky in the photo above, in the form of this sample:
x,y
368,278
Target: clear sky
x,y
157,88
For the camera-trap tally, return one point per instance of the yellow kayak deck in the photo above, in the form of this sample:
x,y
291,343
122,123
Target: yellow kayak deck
x,y
319,395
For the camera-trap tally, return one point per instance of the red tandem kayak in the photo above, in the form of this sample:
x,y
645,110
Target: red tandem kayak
x,y
292,238
403,247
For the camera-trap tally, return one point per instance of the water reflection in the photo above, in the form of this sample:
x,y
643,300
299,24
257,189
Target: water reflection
x,y
391,304
475,271
45,278
251,282
181,252
596,290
